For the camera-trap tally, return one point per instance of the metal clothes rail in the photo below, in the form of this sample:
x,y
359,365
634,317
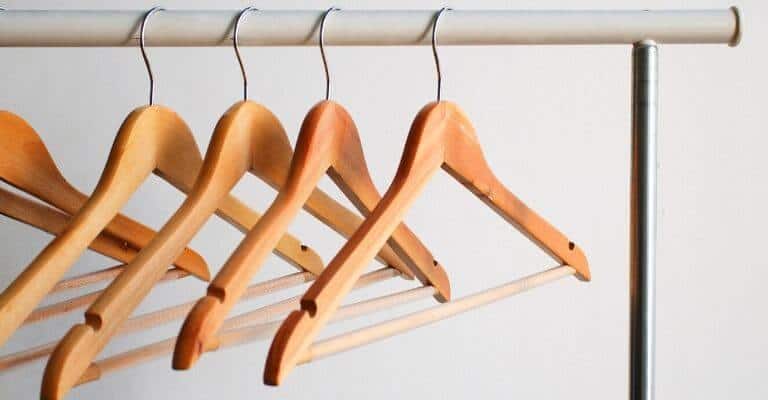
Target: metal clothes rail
x,y
369,28
643,29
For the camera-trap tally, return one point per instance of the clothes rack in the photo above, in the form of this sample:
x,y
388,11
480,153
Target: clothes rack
x,y
643,29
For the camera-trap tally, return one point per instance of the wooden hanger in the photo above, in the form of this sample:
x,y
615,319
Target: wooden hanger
x,y
248,138
154,137
440,136
328,141
26,164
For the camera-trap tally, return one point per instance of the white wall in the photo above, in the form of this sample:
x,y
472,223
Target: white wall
x,y
554,122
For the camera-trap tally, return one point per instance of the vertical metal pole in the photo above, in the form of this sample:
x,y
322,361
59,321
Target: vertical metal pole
x,y
643,220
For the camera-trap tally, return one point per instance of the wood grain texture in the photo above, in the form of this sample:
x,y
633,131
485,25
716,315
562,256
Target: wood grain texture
x,y
248,138
163,316
255,325
26,164
412,321
85,300
155,138
440,136
53,221
327,143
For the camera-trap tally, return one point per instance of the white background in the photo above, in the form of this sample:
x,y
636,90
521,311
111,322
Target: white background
x,y
555,125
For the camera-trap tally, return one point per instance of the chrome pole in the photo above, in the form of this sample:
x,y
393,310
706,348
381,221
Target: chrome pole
x,y
643,220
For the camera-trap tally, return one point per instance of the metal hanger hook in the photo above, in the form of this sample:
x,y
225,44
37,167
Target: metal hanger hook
x,y
240,19
142,33
321,40
434,50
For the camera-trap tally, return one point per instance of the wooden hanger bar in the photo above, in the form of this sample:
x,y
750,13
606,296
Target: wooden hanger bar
x,y
257,325
390,328
87,279
51,28
154,319
157,318
83,301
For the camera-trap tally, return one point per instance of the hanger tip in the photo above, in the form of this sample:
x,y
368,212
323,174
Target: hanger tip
x,y
287,343
68,363
195,337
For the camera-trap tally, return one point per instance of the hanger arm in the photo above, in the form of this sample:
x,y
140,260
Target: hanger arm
x,y
465,162
54,222
288,248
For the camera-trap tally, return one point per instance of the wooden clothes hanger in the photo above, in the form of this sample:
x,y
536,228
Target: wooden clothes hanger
x,y
26,164
248,138
440,136
328,142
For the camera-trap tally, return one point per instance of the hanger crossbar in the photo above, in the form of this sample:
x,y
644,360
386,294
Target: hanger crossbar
x,y
110,28
393,327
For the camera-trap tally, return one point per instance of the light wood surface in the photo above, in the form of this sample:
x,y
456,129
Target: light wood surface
x,y
328,142
440,136
155,138
248,138
157,318
83,280
82,301
26,164
259,324
53,221
393,327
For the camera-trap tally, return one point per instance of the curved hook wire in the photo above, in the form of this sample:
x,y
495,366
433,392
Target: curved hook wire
x,y
144,52
434,51
240,19
321,39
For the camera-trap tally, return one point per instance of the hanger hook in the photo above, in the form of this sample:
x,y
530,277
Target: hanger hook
x,y
240,19
144,52
321,39
434,50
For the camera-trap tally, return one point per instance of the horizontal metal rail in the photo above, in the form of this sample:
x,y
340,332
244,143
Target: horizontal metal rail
x,y
49,28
